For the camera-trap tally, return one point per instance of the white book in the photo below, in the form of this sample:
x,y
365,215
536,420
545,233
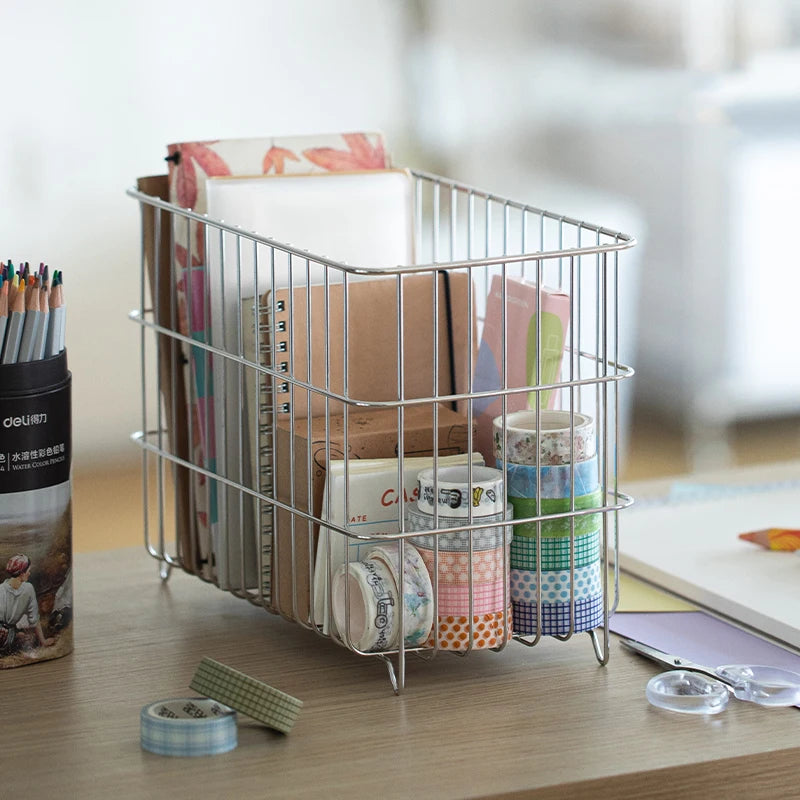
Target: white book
x,y
373,508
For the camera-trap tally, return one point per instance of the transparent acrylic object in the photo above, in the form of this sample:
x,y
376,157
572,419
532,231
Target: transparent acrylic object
x,y
766,686
687,693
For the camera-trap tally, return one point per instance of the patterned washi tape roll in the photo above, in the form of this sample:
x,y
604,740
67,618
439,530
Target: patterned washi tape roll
x,y
563,438
191,726
584,523
555,551
556,584
486,598
488,630
449,489
554,483
417,591
488,566
556,616
246,695
482,538
372,605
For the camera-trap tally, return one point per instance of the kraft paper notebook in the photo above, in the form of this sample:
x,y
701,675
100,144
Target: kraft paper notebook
x,y
308,344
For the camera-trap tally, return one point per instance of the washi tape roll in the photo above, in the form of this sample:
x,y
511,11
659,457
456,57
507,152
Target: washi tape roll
x,y
453,494
555,551
488,630
486,598
553,483
560,526
557,587
246,695
556,617
371,606
189,726
454,567
482,538
417,594
562,438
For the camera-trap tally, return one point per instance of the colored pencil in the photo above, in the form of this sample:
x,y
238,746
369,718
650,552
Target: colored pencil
x,y
16,319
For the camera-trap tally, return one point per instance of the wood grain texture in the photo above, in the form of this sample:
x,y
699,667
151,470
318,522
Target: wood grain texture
x,y
513,722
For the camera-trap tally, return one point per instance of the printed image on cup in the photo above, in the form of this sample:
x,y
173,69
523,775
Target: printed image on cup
x,y
448,489
36,517
368,604
562,438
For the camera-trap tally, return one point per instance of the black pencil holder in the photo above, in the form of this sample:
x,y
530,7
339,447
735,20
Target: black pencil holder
x,y
35,511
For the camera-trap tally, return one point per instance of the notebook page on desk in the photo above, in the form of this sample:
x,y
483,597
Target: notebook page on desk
x,y
693,550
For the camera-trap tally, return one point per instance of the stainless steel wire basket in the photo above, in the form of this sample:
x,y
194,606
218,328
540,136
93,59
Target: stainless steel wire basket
x,y
253,433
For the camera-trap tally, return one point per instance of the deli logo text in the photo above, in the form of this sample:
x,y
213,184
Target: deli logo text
x,y
25,421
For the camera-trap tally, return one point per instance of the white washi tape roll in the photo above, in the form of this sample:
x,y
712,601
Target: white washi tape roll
x,y
417,594
563,438
190,726
371,606
449,489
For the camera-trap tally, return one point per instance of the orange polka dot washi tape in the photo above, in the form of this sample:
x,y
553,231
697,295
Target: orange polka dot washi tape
x,y
487,631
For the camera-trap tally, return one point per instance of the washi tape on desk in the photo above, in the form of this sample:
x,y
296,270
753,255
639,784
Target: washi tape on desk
x,y
556,617
247,695
556,551
456,490
480,538
191,726
562,438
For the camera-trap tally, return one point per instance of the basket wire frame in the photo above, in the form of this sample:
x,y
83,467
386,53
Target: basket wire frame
x,y
458,229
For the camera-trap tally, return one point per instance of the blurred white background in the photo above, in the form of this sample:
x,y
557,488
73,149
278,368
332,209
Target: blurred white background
x,y
677,121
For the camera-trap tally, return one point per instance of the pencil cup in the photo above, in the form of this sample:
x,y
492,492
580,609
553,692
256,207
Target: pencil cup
x,y
36,521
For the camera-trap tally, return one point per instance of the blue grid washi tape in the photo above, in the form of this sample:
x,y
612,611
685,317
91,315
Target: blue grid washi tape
x,y
556,617
555,551
481,538
191,726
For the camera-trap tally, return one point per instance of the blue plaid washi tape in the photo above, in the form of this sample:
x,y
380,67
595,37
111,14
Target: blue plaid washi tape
x,y
190,726
556,616
481,538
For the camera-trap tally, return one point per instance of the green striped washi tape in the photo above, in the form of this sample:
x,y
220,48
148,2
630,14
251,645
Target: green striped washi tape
x,y
247,695
584,523
555,551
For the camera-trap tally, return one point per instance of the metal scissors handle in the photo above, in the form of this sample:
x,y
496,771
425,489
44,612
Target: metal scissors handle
x,y
763,685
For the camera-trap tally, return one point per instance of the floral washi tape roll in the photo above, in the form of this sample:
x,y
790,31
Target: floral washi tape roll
x,y
449,490
369,605
556,617
556,551
555,482
556,584
488,630
480,538
559,526
189,726
417,594
562,438
455,567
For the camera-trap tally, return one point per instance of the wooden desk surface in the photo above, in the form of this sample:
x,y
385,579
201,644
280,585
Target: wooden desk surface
x,y
490,724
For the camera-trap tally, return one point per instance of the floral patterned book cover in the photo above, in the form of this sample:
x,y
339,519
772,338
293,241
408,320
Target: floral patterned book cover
x,y
190,163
